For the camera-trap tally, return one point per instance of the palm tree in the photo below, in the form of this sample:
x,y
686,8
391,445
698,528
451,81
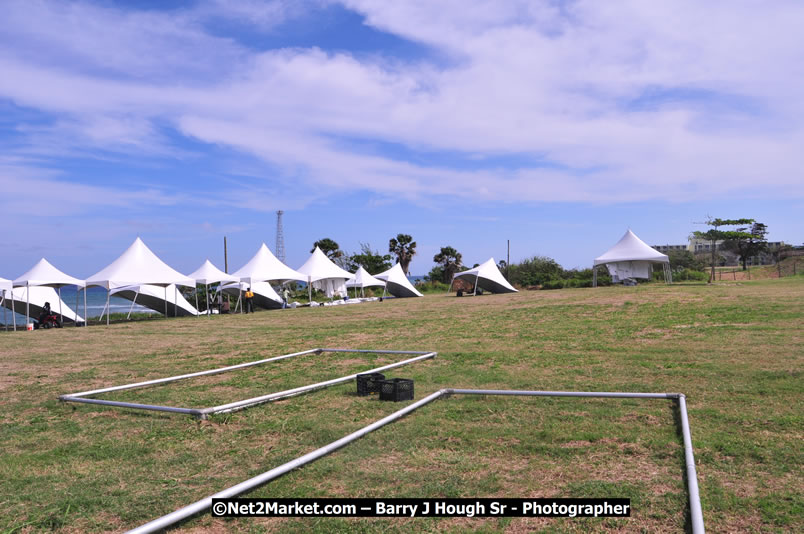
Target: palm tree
x,y
450,260
404,248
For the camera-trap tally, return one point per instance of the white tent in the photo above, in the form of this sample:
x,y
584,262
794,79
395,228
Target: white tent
x,y
265,267
153,297
486,276
322,274
44,274
5,286
209,274
33,298
397,284
264,295
631,258
362,280
138,266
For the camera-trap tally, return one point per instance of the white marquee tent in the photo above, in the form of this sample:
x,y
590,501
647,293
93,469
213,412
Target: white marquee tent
x,y
631,258
397,284
486,276
44,274
362,280
154,297
264,267
209,274
138,265
33,298
322,274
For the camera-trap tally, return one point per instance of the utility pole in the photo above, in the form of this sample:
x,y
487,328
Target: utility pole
x,y
225,257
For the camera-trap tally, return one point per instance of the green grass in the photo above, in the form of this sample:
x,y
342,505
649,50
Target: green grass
x,y
735,350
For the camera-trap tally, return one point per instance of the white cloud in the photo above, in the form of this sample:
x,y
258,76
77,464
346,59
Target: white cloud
x,y
553,80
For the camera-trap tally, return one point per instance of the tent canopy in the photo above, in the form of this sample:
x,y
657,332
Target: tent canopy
x,y
38,296
364,279
153,297
138,266
397,284
488,277
5,285
209,274
264,267
44,274
319,267
631,248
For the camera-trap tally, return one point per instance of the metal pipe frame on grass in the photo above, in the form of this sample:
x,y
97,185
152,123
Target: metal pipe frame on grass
x,y
197,507
203,413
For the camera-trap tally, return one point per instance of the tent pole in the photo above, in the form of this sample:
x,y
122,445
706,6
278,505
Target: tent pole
x,y
240,298
77,290
196,300
27,305
175,300
309,290
206,292
61,315
166,302
5,317
86,319
450,285
133,302
108,307
13,311
477,277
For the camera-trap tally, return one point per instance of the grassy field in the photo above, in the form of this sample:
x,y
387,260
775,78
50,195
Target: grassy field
x,y
735,350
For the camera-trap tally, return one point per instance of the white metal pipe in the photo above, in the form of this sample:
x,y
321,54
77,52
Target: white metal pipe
x,y
133,302
696,514
77,291
86,317
13,311
120,404
186,376
108,306
61,315
603,394
239,405
2,303
200,506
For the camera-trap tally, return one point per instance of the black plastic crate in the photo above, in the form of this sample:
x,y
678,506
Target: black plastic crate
x,y
369,383
396,389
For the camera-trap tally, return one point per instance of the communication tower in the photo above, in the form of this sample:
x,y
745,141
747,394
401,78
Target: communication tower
x,y
280,237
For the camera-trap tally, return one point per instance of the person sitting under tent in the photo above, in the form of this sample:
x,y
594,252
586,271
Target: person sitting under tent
x,y
226,306
249,301
45,313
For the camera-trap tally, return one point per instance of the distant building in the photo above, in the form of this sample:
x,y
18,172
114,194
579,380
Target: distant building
x,y
702,246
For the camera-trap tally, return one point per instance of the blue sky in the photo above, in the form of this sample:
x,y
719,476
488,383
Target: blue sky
x,y
555,124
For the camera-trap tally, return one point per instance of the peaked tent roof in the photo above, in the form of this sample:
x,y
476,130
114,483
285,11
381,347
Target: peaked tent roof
x,y
44,274
153,297
264,266
5,284
364,279
319,267
488,277
138,266
39,295
631,248
209,274
397,283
